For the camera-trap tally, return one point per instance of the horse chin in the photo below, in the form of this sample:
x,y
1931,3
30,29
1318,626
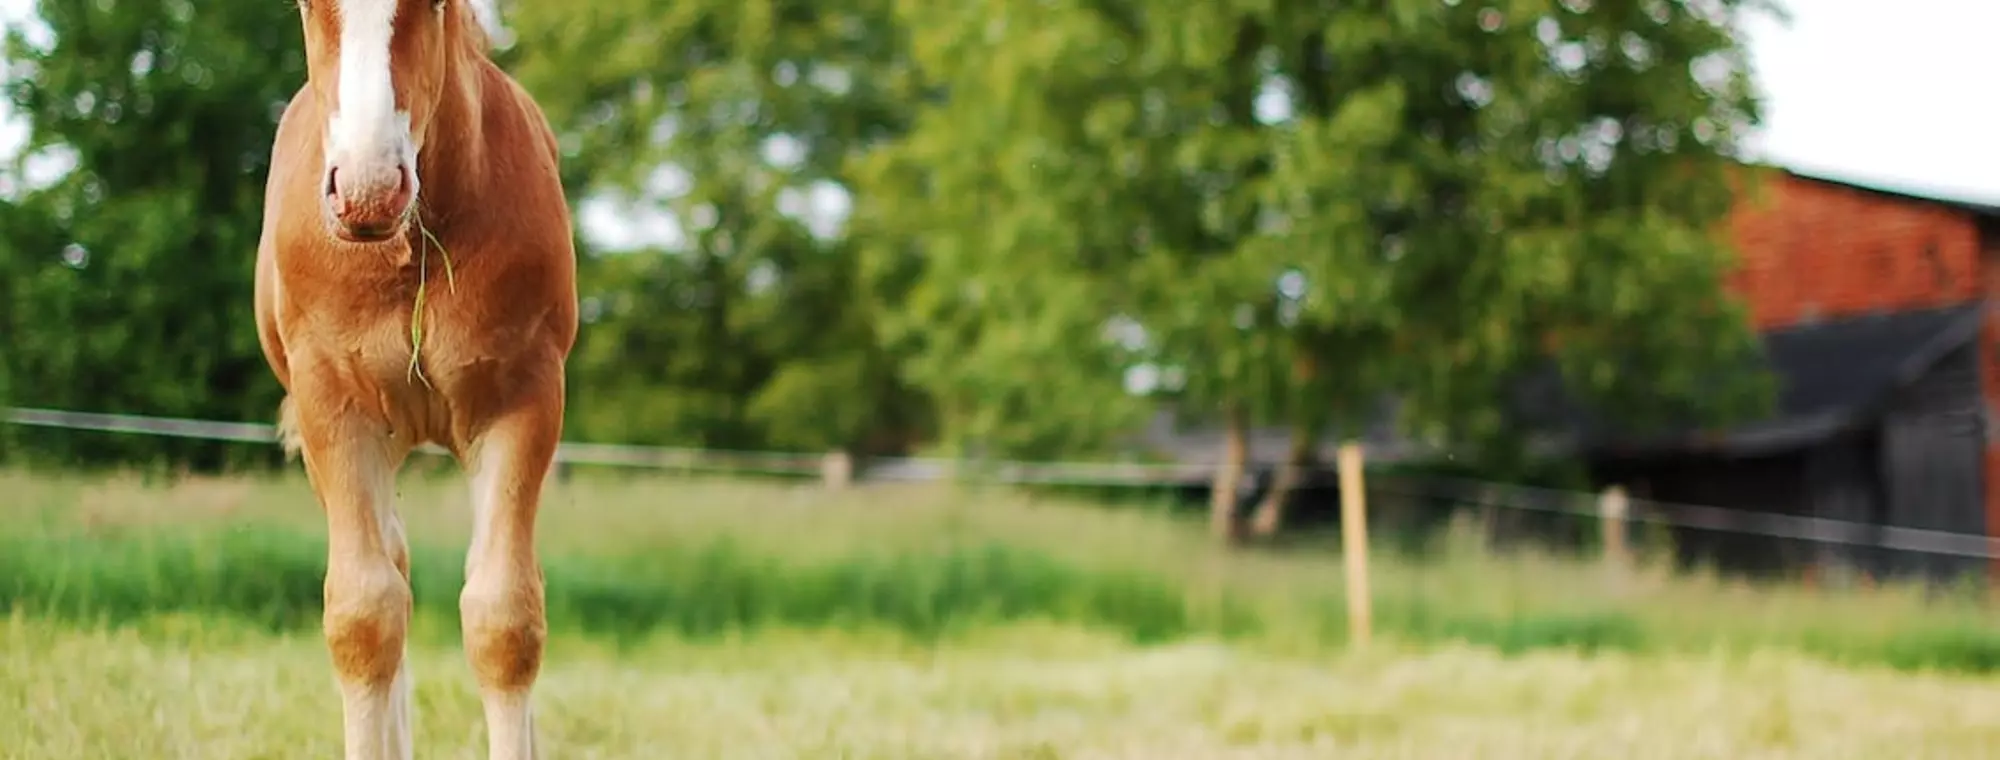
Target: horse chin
x,y
368,237
367,234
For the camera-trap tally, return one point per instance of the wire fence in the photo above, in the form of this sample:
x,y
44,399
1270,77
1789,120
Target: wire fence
x,y
1458,491
1698,517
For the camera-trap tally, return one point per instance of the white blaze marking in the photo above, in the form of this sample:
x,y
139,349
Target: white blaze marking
x,y
367,126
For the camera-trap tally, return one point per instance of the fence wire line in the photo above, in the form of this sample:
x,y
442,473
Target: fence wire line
x,y
1699,517
892,469
931,469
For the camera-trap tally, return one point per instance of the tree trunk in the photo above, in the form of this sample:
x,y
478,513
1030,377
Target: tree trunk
x,y
1229,475
1270,514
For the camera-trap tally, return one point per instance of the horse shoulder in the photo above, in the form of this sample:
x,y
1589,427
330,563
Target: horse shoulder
x,y
525,111
289,145
531,173
268,290
267,298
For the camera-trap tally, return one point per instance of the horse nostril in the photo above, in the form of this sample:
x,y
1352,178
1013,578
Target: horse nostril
x,y
402,179
332,181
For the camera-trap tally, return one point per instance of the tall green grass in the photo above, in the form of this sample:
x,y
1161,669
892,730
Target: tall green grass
x,y
629,558
271,576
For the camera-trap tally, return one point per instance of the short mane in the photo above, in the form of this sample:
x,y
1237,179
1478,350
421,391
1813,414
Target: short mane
x,y
485,23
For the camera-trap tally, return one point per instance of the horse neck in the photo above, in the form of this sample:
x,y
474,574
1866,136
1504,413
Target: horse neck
x,y
453,161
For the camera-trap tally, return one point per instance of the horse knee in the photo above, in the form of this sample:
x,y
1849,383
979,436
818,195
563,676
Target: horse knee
x,y
505,628
366,622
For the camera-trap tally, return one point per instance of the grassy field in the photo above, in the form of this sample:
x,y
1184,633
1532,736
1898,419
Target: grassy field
x,y
699,618
179,690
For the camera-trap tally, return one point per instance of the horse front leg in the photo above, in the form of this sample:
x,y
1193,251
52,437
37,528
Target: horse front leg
x,y
501,607
351,462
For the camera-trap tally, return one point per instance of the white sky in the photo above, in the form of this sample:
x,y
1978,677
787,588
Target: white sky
x,y
1903,98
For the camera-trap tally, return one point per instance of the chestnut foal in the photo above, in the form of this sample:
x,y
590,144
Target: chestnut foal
x,y
416,284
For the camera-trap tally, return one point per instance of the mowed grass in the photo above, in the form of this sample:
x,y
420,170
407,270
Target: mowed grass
x,y
188,688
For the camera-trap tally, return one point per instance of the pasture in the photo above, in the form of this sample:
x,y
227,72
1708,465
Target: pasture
x,y
176,690
708,618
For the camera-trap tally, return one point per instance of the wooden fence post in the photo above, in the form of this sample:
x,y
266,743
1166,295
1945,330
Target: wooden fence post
x,y
1613,515
836,470
1354,544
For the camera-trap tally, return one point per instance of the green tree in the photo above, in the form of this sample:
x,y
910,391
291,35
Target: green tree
x,y
753,328
1415,198
128,278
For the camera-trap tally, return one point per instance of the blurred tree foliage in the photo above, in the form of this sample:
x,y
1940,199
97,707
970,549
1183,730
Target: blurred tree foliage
x,y
1248,212
1295,208
125,284
733,118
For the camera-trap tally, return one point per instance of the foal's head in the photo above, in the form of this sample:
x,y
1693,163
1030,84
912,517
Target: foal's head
x,y
378,68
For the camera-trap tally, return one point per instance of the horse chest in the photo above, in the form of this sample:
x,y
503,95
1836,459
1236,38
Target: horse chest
x,y
391,340
419,379
441,341
394,323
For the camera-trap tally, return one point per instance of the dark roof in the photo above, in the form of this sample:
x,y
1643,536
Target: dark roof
x,y
1833,366
1974,207
1832,377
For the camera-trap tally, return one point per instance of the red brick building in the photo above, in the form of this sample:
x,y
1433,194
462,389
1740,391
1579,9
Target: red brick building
x,y
1873,308
1813,248
1872,305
